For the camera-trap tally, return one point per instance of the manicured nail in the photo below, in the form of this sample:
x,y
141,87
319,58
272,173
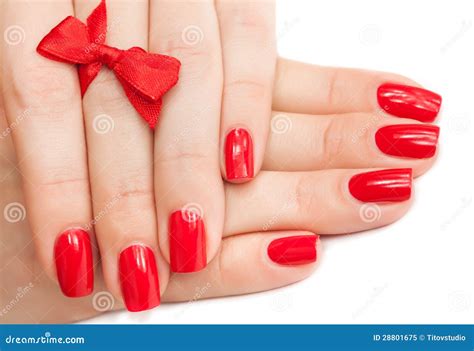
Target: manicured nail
x,y
391,185
408,140
293,250
74,267
187,242
409,102
239,155
139,278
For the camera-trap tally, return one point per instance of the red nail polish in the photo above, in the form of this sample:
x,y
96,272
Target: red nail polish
x,y
408,140
239,155
74,266
293,250
409,102
187,235
139,278
386,185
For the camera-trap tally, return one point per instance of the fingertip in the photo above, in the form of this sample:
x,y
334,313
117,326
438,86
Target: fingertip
x,y
239,156
294,250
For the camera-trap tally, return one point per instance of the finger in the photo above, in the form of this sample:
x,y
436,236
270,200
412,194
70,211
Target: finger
x,y
249,263
120,147
188,183
42,102
249,55
333,201
329,90
352,140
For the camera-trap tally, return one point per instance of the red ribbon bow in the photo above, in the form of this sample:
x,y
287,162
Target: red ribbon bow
x,y
145,77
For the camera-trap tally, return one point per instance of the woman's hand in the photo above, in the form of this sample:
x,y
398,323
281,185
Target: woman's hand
x,y
192,143
324,118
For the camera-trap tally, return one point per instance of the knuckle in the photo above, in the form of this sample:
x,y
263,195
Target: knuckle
x,y
251,17
63,182
107,91
130,187
305,197
196,56
192,154
281,75
333,141
333,88
246,89
127,200
224,268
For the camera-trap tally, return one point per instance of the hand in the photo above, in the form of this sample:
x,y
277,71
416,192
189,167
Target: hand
x,y
186,160
312,142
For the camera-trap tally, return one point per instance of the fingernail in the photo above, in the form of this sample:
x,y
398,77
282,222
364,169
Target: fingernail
x,y
391,185
239,155
187,242
74,267
408,140
409,102
139,278
293,250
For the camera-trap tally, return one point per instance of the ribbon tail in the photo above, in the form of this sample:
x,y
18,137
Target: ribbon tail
x,y
148,109
97,23
87,74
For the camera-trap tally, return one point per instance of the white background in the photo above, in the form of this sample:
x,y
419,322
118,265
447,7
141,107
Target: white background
x,y
420,269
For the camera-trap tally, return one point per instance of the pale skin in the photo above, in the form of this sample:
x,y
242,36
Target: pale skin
x,y
310,162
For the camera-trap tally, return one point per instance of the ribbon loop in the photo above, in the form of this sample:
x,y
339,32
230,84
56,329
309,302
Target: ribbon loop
x,y
145,77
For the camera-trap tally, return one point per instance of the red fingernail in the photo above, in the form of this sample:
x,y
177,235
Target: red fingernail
x,y
293,250
408,140
74,267
386,185
187,242
409,102
139,278
239,155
